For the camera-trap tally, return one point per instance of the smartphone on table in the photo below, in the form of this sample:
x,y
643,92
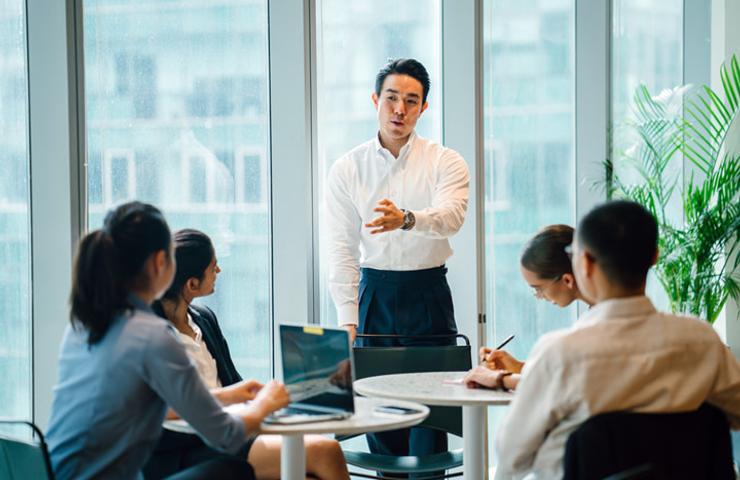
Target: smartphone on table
x,y
396,410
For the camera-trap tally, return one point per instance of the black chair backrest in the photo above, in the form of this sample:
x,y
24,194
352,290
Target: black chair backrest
x,y
689,445
387,360
22,459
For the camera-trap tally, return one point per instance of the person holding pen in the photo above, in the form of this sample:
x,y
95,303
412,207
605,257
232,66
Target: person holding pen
x,y
621,355
546,267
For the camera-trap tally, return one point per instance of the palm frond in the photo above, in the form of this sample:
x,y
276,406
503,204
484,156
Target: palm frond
x,y
699,262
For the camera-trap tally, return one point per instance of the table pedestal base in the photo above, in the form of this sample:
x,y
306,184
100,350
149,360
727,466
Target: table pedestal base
x,y
474,442
292,458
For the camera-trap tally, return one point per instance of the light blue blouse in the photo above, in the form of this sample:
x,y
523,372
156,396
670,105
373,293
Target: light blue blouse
x,y
112,397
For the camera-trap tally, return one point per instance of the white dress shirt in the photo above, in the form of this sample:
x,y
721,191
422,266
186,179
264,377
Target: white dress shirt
x,y
201,357
621,355
426,178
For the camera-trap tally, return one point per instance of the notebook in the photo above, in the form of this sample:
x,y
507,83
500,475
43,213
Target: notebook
x,y
318,373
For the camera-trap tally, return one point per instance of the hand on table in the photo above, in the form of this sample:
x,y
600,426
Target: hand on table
x,y
500,360
272,396
482,376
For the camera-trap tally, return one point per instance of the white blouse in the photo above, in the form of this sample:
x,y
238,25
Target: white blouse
x,y
200,356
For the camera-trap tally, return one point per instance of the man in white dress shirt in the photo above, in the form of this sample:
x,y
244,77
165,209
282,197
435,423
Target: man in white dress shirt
x,y
621,355
392,203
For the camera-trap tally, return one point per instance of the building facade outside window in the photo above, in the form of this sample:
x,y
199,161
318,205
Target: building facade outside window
x,y
15,217
354,40
177,115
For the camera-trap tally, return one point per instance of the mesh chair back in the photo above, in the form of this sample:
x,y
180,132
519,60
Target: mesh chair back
x,y
21,459
374,361
693,445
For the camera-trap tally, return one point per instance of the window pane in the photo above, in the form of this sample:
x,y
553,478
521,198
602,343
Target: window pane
x,y
355,39
529,79
647,49
15,242
177,115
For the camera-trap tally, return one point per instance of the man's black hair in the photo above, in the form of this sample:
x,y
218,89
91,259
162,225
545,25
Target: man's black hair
x,y
404,66
622,237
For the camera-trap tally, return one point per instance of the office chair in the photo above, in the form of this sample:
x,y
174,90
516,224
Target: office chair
x,y
630,446
23,459
372,361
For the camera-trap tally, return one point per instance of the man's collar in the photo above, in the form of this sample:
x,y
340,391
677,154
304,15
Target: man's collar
x,y
379,147
639,305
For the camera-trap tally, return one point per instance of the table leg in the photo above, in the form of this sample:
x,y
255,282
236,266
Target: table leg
x,y
475,443
293,458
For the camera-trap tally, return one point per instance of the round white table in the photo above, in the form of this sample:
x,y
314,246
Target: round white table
x,y
437,388
365,420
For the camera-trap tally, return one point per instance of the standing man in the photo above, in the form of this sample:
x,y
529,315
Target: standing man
x,y
392,203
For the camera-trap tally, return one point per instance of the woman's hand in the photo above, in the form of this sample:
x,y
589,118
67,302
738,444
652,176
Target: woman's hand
x,y
241,392
272,396
500,360
482,376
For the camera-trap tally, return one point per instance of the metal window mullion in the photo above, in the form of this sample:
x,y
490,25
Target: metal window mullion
x,y
55,193
593,98
291,205
462,121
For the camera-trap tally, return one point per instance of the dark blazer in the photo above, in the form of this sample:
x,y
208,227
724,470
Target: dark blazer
x,y
216,343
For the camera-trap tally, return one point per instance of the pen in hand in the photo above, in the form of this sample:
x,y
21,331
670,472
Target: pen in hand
x,y
503,344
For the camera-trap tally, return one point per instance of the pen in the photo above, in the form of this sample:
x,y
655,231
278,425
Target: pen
x,y
503,344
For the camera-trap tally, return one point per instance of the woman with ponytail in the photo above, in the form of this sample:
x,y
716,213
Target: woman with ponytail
x,y
197,269
120,364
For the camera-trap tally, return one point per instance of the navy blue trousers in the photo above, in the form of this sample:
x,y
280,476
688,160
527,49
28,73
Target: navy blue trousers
x,y
406,303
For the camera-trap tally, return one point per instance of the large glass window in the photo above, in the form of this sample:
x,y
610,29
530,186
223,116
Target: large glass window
x,y
647,49
177,115
529,64
354,40
15,242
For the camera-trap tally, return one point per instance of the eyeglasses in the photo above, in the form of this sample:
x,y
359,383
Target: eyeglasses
x,y
539,291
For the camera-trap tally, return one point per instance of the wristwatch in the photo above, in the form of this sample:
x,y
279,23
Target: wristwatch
x,y
500,381
409,220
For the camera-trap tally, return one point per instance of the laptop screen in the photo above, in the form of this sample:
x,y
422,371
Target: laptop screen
x,y
317,367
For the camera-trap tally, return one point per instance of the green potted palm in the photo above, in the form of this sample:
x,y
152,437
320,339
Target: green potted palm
x,y
698,264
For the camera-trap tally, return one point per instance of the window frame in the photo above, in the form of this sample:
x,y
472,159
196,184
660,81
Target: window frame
x,y
58,149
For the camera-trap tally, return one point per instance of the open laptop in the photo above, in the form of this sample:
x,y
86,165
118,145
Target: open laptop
x,y
318,373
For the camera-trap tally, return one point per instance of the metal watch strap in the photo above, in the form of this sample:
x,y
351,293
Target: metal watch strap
x,y
408,220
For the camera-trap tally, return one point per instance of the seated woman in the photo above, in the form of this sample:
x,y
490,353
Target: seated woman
x,y
120,364
546,267
197,269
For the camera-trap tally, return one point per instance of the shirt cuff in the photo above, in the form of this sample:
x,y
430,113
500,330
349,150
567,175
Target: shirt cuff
x,y
348,315
422,221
